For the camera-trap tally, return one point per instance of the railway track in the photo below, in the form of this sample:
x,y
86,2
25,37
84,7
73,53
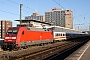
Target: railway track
x,y
38,52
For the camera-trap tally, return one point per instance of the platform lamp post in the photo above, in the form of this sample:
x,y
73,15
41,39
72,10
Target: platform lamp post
x,y
21,13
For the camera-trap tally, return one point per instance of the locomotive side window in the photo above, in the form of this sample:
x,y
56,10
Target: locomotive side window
x,y
47,29
23,33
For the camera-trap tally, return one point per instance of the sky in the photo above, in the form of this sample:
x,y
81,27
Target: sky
x,y
10,10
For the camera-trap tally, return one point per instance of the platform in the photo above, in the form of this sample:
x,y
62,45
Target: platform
x,y
83,53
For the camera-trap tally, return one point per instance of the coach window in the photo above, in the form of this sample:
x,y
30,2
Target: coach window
x,y
63,34
59,34
56,34
22,32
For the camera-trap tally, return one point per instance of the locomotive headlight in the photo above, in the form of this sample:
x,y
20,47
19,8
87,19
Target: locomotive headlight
x,y
13,37
5,40
6,37
10,37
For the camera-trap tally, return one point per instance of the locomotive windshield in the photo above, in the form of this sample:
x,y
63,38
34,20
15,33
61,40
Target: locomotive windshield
x,y
12,31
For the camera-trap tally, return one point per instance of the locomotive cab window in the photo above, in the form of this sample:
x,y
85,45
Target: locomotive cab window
x,y
15,31
9,32
12,32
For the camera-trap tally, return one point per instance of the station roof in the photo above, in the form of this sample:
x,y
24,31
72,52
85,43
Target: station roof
x,y
34,21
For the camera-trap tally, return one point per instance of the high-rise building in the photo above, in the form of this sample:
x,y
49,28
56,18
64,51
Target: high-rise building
x,y
60,17
4,25
35,16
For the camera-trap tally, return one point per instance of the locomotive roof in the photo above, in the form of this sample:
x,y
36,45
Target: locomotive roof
x,y
30,28
36,29
14,27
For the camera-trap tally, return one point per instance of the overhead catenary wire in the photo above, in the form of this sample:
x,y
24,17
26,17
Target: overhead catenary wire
x,y
11,5
58,4
27,5
19,4
7,4
83,15
9,12
74,10
63,8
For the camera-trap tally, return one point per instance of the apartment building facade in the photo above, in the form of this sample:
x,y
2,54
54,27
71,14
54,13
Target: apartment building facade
x,y
35,16
60,17
4,25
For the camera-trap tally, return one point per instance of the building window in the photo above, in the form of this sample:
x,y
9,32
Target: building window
x,y
9,26
67,10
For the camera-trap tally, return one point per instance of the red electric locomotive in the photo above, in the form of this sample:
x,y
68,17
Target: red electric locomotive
x,y
17,37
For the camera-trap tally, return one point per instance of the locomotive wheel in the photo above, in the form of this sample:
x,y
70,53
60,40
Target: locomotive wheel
x,y
10,48
4,49
24,47
16,48
41,44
